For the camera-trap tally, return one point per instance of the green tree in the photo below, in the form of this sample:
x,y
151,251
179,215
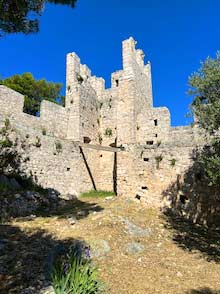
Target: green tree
x,y
205,87
21,16
34,91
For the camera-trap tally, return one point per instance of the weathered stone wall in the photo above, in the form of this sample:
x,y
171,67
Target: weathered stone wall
x,y
81,101
57,163
149,170
53,117
155,156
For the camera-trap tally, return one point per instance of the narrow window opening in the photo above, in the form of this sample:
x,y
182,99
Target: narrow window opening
x,y
117,83
100,155
155,122
146,159
138,197
150,142
144,188
156,135
86,140
68,169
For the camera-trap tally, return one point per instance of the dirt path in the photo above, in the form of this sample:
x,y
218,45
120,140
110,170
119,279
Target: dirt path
x,y
137,250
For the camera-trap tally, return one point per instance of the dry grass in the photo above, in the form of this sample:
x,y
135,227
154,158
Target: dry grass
x,y
173,262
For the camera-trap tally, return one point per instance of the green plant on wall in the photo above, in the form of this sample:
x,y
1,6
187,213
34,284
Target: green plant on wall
x,y
38,142
7,123
158,159
59,147
108,132
173,162
44,132
6,127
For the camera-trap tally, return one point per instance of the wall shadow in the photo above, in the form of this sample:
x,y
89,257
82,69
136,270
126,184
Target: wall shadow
x,y
26,259
193,211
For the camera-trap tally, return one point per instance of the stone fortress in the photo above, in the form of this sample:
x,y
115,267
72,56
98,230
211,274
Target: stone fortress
x,y
104,139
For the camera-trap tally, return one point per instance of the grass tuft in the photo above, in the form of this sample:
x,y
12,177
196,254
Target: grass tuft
x,y
97,194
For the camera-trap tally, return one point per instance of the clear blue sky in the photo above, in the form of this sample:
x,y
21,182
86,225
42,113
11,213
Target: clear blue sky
x,y
175,35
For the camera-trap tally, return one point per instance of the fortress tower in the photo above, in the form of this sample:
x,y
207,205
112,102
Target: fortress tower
x,y
126,108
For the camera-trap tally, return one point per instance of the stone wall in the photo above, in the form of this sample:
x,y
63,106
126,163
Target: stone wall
x,y
149,170
53,117
155,155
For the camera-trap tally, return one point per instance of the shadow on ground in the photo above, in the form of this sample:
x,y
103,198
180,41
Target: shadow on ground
x,y
203,291
31,199
76,208
193,213
190,236
26,258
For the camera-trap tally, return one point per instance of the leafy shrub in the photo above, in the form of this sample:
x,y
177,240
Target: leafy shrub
x,y
209,160
6,143
4,187
9,156
75,275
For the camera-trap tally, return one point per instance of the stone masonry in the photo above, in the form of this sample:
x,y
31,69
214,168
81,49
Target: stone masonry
x,y
144,155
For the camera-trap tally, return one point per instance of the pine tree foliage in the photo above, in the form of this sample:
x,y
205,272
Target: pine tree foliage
x,y
22,16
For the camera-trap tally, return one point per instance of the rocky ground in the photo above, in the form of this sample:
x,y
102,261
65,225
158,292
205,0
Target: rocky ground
x,y
137,249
